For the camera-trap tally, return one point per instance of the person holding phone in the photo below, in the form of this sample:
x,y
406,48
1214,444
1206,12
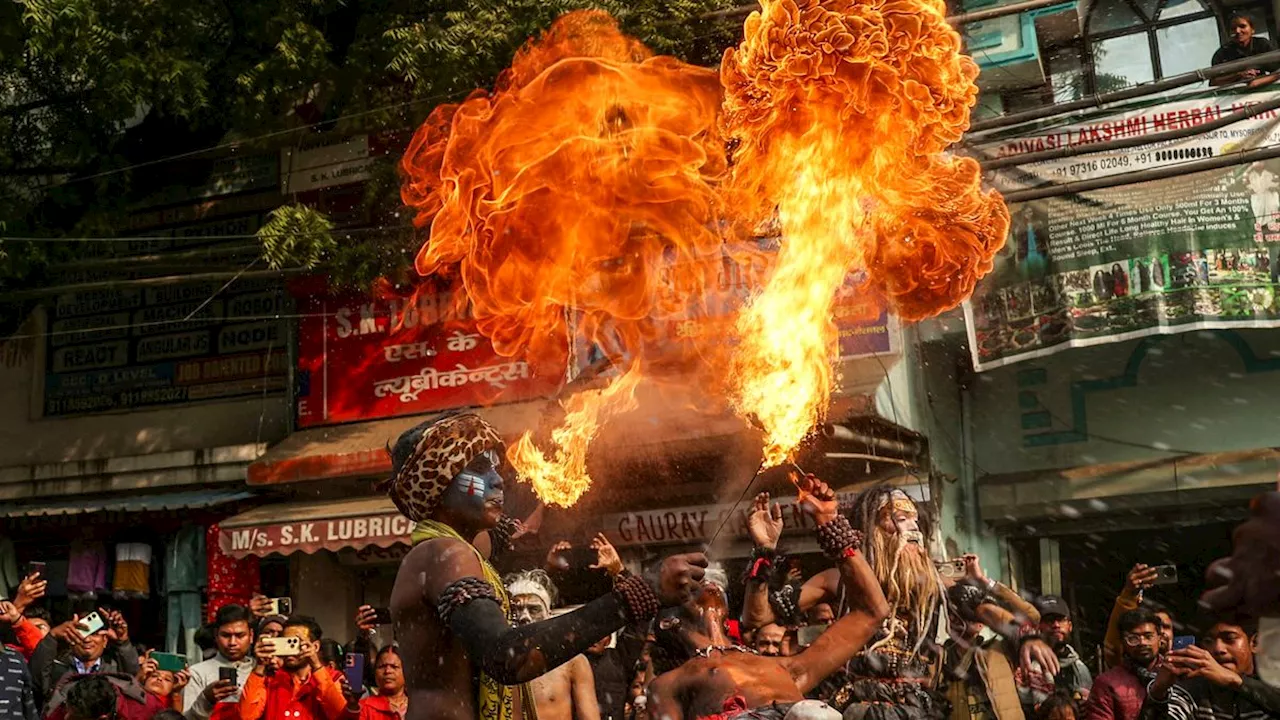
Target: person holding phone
x,y
303,689
1216,680
97,642
214,689
164,678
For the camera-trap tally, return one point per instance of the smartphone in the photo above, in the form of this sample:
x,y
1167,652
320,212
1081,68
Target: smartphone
x,y
35,567
382,616
807,634
171,661
90,624
284,646
228,674
1166,575
575,559
950,569
354,670
1181,642
281,606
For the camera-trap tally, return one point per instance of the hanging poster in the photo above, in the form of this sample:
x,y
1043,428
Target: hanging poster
x,y
1164,256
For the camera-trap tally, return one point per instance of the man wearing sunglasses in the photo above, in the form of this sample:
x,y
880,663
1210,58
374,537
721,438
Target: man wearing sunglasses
x,y
1119,692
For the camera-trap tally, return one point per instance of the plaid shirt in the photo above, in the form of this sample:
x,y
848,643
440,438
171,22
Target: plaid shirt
x,y
17,692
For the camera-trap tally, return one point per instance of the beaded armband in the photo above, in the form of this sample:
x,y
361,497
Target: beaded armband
x,y
638,598
461,592
837,536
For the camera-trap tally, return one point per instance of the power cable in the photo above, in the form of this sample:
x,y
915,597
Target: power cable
x,y
237,143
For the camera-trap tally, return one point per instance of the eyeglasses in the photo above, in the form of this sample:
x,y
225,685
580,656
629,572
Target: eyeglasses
x,y
1133,639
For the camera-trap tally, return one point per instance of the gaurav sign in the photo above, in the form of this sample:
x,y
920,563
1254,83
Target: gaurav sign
x,y
698,523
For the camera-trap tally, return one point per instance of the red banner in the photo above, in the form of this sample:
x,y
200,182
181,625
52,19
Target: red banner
x,y
361,358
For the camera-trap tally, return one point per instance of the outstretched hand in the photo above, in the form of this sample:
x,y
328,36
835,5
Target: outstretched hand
x,y
764,524
1038,651
680,576
817,500
607,557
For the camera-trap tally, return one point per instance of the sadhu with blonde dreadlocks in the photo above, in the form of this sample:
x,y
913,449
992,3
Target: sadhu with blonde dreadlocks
x,y
462,658
897,675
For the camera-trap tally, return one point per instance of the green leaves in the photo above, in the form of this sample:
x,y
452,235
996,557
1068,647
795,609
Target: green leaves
x,y
296,236
104,100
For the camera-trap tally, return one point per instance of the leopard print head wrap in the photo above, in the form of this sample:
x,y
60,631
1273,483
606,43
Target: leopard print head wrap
x,y
423,469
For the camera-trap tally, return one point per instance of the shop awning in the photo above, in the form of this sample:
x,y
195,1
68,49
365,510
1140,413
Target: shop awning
x,y
307,527
1186,490
360,449
190,500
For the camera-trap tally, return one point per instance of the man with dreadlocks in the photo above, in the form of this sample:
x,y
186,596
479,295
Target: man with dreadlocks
x,y
897,677
705,676
461,655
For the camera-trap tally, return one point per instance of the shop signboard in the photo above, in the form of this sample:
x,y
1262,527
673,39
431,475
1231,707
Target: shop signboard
x,y
380,530
325,162
361,358
1164,256
698,523
112,350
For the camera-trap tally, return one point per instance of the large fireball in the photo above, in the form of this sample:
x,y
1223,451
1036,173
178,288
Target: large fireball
x,y
583,184
600,183
839,113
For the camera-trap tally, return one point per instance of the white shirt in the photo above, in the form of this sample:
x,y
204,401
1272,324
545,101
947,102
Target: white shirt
x,y
204,674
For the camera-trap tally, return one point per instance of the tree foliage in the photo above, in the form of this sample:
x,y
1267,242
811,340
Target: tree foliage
x,y
97,97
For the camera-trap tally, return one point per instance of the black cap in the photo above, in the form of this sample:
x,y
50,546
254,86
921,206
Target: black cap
x,y
1052,605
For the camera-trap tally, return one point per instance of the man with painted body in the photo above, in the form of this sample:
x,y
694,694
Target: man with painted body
x,y
569,691
461,655
704,675
898,676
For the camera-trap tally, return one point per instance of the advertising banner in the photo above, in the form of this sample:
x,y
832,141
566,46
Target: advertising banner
x,y
1165,256
361,358
113,350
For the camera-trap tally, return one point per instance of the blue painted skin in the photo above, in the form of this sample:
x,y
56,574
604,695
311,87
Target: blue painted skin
x,y
478,487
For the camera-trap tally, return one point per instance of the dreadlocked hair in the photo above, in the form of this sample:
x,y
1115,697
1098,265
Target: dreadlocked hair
x,y
909,580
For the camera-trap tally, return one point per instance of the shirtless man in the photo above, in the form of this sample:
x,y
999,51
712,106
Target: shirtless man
x,y
713,677
461,655
569,691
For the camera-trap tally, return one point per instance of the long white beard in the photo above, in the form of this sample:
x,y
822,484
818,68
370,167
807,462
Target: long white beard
x,y
907,576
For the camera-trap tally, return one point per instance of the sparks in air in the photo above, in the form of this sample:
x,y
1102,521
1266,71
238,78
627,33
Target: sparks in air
x,y
593,182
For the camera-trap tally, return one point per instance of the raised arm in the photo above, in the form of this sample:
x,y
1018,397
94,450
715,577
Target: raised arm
x,y
764,524
867,604
511,656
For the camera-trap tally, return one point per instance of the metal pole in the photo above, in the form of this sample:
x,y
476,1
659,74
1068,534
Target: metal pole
x,y
1062,152
961,19
1239,157
1130,93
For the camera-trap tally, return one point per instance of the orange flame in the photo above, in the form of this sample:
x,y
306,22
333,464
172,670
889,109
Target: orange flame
x,y
583,183
593,182
562,478
840,112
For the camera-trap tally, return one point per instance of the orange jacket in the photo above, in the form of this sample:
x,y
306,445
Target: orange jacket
x,y
278,698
